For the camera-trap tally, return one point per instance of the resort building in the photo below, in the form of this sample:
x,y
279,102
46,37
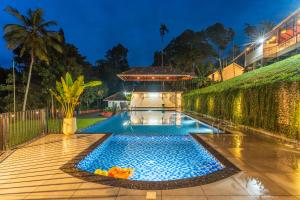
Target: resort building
x,y
282,41
117,100
228,72
154,87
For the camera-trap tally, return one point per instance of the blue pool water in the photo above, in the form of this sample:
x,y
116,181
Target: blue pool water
x,y
156,144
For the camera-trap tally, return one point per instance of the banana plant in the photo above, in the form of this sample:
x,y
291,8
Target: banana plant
x,y
68,92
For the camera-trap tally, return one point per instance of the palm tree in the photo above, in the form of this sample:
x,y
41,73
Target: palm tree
x,y
32,37
163,31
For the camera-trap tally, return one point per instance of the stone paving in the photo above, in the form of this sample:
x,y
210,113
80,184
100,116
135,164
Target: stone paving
x,y
269,171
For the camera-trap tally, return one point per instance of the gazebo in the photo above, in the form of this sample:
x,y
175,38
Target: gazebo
x,y
117,100
149,91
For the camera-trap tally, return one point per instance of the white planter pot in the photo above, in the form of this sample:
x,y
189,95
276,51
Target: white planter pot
x,y
69,126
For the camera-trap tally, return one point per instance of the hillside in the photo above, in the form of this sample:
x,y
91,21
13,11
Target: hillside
x,y
287,70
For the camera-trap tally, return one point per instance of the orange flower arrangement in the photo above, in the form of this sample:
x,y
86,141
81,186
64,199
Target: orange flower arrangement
x,y
116,172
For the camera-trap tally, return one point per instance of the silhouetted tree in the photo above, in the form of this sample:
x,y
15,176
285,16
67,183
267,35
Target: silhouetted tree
x,y
189,50
31,35
115,62
220,37
163,31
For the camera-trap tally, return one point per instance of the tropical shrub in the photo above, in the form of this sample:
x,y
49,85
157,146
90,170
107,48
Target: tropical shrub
x,y
68,93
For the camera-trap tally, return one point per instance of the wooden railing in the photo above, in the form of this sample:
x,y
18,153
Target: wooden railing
x,y
272,51
287,44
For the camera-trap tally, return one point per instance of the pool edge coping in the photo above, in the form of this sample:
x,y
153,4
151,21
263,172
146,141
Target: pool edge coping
x,y
228,170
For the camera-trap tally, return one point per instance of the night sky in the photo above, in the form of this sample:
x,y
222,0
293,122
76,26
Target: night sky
x,y
94,26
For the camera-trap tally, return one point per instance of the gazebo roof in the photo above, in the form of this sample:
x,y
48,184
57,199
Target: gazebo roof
x,y
150,88
119,96
155,73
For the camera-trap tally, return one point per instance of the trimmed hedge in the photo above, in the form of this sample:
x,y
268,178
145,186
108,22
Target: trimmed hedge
x,y
267,98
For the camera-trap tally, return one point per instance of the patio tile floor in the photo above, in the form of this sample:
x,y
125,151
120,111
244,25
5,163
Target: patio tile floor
x,y
269,171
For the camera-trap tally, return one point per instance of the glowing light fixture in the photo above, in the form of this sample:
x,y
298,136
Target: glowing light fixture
x,y
168,77
138,78
153,121
153,94
153,77
283,31
260,40
298,21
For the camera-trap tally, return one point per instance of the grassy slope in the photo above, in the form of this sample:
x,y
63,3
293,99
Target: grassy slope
x,y
287,70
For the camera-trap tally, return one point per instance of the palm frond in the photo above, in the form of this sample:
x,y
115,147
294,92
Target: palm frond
x,y
13,27
38,16
15,13
48,23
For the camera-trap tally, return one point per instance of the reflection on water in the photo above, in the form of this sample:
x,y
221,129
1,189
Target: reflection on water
x,y
154,118
151,122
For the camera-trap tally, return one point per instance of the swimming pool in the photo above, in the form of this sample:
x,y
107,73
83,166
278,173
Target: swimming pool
x,y
154,158
158,146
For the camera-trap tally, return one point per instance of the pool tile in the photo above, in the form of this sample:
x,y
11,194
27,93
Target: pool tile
x,y
13,197
50,189
257,184
191,191
288,181
133,192
230,198
224,187
184,198
17,190
277,198
95,190
135,198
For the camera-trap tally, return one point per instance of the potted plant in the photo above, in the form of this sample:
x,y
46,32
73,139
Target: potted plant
x,y
107,112
67,94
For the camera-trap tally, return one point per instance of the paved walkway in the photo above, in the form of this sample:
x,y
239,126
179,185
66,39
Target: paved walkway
x,y
269,171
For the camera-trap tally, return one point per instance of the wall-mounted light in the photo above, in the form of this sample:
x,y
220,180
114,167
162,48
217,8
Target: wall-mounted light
x,y
138,78
153,94
283,31
261,40
168,77
153,77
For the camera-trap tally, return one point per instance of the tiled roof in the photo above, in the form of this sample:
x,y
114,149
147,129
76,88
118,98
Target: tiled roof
x,y
155,70
151,88
119,96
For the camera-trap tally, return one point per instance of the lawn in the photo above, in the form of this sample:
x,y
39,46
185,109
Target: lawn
x,y
86,122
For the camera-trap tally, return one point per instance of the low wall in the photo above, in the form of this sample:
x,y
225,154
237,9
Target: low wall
x,y
273,107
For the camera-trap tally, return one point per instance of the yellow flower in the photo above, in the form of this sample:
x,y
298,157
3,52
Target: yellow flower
x,y
101,172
